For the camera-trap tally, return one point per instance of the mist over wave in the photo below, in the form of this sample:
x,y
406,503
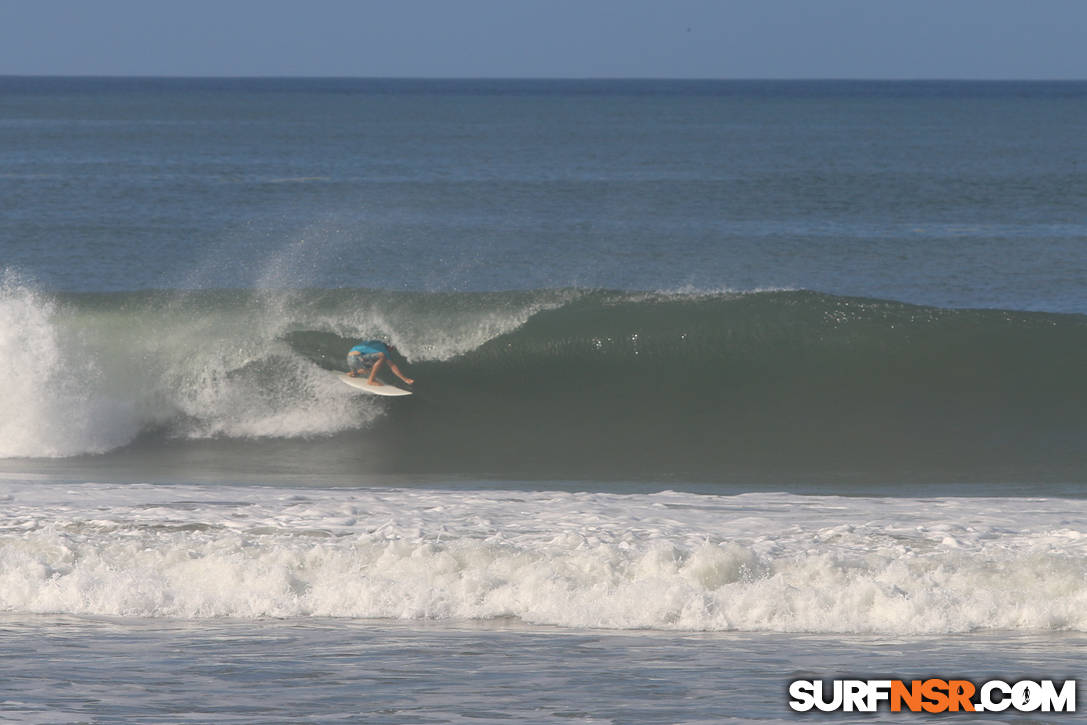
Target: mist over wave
x,y
560,383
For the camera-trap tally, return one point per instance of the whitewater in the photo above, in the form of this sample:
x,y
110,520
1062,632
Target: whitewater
x,y
752,562
91,372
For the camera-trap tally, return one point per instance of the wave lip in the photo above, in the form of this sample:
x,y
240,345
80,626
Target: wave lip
x,y
756,562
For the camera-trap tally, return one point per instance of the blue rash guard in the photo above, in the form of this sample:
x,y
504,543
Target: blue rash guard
x,y
365,354
370,347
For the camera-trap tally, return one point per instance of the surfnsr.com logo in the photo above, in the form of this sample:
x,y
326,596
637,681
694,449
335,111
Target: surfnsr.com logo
x,y
932,695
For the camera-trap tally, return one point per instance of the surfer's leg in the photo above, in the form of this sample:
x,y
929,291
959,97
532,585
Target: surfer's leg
x,y
392,366
373,370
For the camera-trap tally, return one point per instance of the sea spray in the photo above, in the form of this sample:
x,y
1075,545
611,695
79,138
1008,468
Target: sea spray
x,y
86,373
52,400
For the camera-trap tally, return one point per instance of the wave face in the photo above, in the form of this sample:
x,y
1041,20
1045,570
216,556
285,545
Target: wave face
x,y
753,562
556,383
700,384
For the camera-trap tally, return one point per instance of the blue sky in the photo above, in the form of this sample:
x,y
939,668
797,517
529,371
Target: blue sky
x,y
984,39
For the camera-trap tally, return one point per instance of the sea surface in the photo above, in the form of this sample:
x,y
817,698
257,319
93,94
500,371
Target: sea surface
x,y
718,385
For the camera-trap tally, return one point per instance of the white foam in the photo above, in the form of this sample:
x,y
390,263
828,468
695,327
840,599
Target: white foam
x,y
772,562
51,395
692,292
78,378
86,381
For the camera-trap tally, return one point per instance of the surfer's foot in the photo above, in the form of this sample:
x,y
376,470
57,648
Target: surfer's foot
x,y
352,374
409,381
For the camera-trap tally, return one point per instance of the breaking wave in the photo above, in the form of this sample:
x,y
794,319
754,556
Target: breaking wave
x,y
555,382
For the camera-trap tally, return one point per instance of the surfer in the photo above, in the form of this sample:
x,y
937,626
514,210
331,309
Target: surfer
x,y
371,354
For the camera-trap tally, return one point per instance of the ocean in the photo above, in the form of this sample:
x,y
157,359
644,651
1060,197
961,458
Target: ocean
x,y
719,384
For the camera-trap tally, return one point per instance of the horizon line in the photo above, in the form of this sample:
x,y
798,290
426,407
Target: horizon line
x,y
703,79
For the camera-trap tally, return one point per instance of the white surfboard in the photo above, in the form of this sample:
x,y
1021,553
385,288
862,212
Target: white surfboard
x,y
377,388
